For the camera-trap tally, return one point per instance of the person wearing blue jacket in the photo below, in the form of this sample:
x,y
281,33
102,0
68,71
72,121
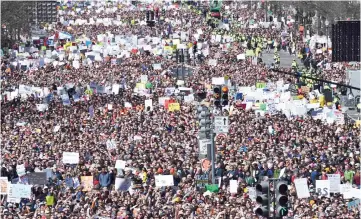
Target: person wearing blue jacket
x,y
104,178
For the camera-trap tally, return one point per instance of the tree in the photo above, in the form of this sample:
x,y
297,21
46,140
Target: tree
x,y
15,19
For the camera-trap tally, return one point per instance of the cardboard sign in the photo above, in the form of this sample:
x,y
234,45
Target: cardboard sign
x,y
3,185
18,191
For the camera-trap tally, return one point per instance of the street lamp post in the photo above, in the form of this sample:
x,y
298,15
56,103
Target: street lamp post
x,y
327,23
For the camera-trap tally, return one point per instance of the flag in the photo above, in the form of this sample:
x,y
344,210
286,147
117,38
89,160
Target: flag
x,y
212,188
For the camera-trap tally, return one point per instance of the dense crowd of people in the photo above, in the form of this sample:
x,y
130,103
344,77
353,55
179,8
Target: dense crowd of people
x,y
154,141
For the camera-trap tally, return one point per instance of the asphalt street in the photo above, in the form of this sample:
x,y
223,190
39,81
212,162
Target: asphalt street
x,y
285,58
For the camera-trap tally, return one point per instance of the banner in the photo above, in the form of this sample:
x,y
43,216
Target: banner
x,y
122,184
302,188
87,183
163,180
71,157
3,185
335,181
323,188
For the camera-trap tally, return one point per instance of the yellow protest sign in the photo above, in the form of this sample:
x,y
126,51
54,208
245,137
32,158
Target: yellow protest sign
x,y
173,107
168,48
260,85
140,85
87,182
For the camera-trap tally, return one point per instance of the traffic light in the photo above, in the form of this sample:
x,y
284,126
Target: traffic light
x,y
224,96
163,12
186,55
281,199
152,15
204,119
263,199
217,95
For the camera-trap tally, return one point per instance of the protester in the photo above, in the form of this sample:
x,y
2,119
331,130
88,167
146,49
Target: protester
x,y
99,111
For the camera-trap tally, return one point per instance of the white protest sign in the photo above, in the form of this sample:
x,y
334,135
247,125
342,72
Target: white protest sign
x,y
115,88
212,62
42,107
120,164
122,184
144,78
218,81
233,186
111,144
20,169
252,193
335,180
71,157
346,190
241,56
157,66
164,180
323,188
17,191
148,104
302,188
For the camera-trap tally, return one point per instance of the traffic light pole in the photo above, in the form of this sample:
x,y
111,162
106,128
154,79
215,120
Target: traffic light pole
x,y
212,157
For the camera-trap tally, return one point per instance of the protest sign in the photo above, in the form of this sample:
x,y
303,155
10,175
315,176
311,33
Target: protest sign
x,y
218,81
335,180
87,183
233,186
354,205
120,164
241,56
18,191
346,190
20,169
122,184
157,66
302,188
252,193
202,180
37,178
144,78
163,180
3,185
323,188
173,107
148,104
212,62
71,157
111,144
